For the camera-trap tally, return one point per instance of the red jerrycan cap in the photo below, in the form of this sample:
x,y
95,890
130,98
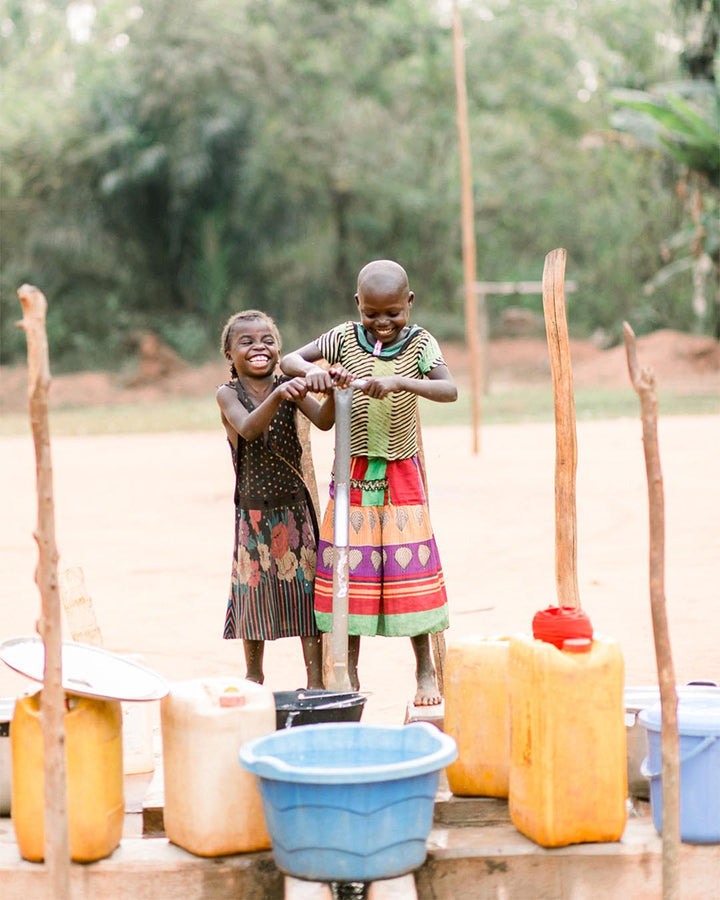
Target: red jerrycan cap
x,y
559,624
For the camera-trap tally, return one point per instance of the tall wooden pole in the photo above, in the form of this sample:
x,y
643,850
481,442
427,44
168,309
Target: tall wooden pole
x,y
643,381
565,431
52,704
468,229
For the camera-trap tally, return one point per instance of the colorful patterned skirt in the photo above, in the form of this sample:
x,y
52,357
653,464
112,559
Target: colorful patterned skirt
x,y
273,572
396,580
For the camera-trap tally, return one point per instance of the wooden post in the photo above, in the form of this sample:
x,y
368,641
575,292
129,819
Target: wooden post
x,y
78,607
52,707
468,229
565,432
643,381
308,467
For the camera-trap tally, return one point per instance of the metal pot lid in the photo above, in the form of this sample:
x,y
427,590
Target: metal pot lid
x,y
86,670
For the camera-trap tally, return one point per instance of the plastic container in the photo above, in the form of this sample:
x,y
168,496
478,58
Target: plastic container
x,y
138,748
96,807
568,768
636,699
212,806
349,802
7,705
138,721
311,707
477,715
699,729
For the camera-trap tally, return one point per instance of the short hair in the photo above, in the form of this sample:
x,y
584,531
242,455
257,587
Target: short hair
x,y
385,274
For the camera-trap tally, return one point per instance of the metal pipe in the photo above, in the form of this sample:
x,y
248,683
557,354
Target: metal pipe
x,y
339,679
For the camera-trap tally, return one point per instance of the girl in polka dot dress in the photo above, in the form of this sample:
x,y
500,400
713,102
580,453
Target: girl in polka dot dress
x,y
275,554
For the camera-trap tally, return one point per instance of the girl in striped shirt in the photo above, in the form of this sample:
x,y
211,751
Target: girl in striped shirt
x,y
396,580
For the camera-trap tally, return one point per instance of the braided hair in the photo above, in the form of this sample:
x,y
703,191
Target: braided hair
x,y
246,315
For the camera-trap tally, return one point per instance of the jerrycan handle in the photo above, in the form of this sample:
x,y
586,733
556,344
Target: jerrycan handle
x,y
697,749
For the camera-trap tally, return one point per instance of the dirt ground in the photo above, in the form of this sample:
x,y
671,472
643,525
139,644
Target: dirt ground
x,y
149,520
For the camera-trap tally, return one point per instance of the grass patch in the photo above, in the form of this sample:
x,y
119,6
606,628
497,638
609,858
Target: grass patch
x,y
535,404
173,414
532,404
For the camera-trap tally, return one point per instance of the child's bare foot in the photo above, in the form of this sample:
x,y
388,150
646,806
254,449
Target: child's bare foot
x,y
428,693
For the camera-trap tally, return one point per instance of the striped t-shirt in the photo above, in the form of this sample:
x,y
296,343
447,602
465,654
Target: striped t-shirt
x,y
384,429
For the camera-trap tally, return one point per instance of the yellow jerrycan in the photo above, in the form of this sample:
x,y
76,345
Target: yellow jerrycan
x,y
213,806
94,759
568,765
477,715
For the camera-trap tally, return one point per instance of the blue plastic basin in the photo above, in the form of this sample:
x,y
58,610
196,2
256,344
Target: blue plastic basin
x,y
346,801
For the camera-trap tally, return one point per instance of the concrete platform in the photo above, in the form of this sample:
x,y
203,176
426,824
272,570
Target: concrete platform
x,y
485,863
474,853
463,863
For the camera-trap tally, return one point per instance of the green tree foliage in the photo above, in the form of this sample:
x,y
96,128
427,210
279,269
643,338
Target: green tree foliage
x,y
549,173
681,120
173,161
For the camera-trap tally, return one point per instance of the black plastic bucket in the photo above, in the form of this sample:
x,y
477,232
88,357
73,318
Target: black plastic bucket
x,y
309,707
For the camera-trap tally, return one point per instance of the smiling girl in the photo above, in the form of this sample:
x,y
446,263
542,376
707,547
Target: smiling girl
x,y
275,552
396,580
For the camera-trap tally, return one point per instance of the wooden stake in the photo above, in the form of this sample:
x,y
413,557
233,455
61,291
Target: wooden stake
x,y
468,229
565,433
78,607
643,382
308,467
52,708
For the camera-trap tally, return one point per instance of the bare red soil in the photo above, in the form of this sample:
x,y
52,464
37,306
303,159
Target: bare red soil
x,y
678,360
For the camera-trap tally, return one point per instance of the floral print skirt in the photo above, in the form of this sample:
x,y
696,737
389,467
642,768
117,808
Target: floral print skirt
x,y
273,574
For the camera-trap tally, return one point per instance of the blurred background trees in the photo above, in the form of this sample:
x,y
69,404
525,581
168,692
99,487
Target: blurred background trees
x,y
682,120
165,163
